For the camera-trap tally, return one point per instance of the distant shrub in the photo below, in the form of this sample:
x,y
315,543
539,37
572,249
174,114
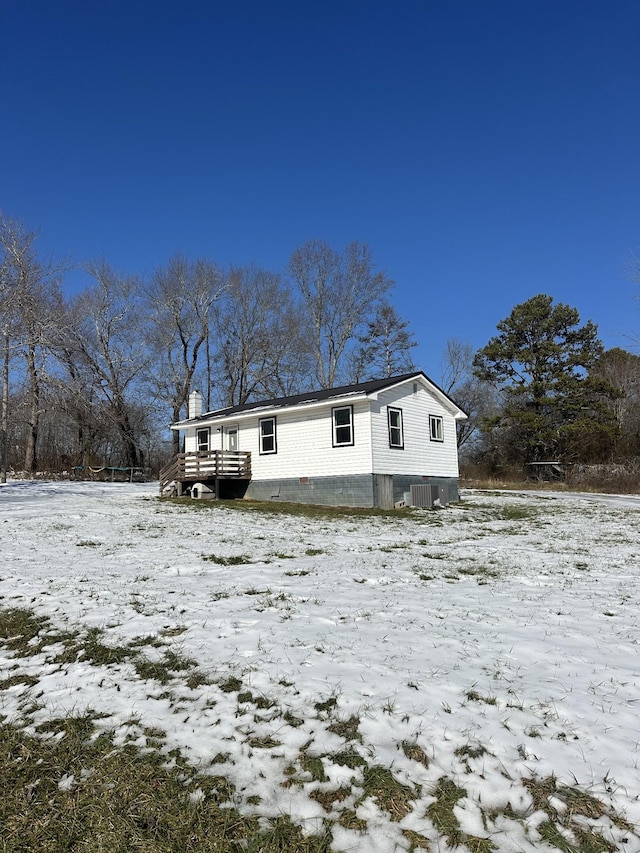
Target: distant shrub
x,y
612,478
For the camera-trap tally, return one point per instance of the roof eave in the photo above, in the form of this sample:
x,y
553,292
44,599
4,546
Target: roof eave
x,y
229,413
268,411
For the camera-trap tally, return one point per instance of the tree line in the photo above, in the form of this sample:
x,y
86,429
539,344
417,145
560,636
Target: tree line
x,y
544,389
93,379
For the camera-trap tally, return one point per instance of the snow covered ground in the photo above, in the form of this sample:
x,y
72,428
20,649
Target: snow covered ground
x,y
494,645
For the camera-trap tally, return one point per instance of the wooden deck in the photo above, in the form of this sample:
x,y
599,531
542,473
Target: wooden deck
x,y
185,469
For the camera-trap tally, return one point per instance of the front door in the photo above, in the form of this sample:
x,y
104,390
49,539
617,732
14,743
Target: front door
x,y
232,438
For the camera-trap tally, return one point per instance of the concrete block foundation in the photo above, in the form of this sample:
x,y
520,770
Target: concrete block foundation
x,y
358,490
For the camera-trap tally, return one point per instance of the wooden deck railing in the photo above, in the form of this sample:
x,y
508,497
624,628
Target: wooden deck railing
x,y
208,465
169,474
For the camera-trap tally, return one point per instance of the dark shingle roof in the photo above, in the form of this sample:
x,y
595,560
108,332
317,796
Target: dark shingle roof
x,y
370,387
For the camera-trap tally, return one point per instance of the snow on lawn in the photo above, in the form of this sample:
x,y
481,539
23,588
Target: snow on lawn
x,y
492,646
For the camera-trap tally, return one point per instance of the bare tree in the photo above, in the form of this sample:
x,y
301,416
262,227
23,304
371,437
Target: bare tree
x,y
385,345
340,292
6,316
632,267
78,394
290,359
31,297
258,335
632,270
457,364
181,298
111,343
620,371
474,396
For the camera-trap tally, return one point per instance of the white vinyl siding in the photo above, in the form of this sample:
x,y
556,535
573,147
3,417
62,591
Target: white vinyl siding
x,y
305,445
421,456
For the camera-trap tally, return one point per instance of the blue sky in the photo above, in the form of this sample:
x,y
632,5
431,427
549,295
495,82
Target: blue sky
x,y
486,150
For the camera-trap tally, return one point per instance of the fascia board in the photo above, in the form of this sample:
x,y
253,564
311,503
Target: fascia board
x,y
445,401
432,389
269,411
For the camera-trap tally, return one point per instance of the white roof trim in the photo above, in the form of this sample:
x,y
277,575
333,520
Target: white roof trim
x,y
210,418
267,411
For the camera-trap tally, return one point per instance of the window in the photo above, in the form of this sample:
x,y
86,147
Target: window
x,y
435,428
396,436
202,440
342,426
268,435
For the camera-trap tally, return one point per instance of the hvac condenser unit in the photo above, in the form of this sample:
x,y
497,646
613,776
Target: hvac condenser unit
x,y
429,495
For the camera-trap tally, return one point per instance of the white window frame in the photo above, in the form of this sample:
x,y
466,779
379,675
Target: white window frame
x,y
342,426
436,428
200,444
395,430
271,435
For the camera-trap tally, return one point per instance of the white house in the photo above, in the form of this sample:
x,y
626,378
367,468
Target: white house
x,y
359,445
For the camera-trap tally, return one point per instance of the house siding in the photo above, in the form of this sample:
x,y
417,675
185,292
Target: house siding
x,y
420,455
305,445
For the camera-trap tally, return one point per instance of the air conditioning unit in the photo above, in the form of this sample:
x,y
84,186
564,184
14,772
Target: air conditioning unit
x,y
429,495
